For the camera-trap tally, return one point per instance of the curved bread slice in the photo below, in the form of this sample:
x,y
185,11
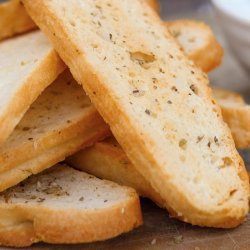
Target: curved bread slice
x,y
64,205
14,19
28,65
198,42
236,114
107,160
157,103
60,122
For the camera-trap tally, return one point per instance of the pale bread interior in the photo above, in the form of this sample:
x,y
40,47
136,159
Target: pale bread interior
x,y
205,176
28,65
63,205
198,42
62,113
63,188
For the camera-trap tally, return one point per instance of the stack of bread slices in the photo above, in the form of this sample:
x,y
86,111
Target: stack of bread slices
x,y
107,102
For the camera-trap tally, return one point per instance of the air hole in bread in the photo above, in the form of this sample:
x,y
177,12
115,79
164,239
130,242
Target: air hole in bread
x,y
72,23
213,102
94,46
132,74
214,110
183,144
232,192
175,33
138,93
143,59
194,88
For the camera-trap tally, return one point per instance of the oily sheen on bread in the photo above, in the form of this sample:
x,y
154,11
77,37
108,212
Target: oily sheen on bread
x,y
28,65
14,19
63,205
236,113
198,42
59,123
157,103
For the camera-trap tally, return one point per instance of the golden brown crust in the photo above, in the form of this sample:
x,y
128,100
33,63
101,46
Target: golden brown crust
x,y
238,120
107,160
209,53
154,5
71,227
90,123
18,236
140,146
49,132
236,113
51,156
14,19
91,226
23,224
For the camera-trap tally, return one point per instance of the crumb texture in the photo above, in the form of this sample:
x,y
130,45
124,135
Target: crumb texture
x,y
60,122
156,102
63,205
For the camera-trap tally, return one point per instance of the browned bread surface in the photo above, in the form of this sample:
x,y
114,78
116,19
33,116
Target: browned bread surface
x,y
28,65
59,123
157,103
14,19
198,42
63,205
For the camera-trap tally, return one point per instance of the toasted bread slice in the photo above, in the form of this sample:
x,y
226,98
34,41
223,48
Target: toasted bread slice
x,y
107,160
28,65
14,19
64,205
157,103
60,122
236,114
195,37
198,42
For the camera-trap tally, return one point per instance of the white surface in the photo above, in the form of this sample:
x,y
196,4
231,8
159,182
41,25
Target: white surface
x,y
238,8
230,74
234,17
